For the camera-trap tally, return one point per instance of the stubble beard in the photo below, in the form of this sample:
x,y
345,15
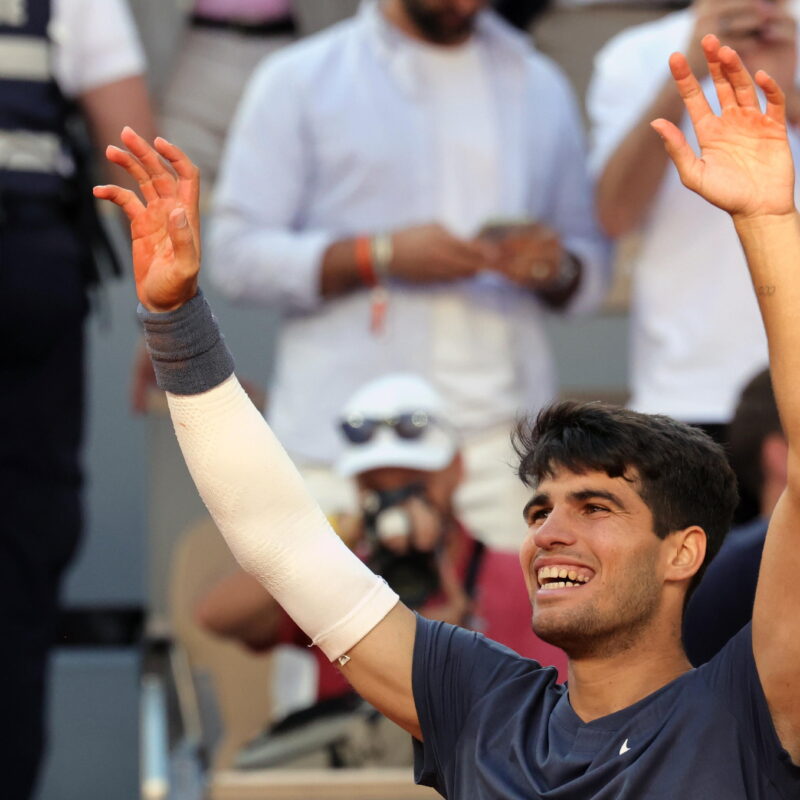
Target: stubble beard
x,y
591,632
432,25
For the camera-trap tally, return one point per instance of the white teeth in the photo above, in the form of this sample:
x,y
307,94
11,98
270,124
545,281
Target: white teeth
x,y
572,577
561,585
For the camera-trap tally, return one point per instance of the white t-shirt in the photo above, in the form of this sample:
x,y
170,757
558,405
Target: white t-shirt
x,y
95,44
471,356
696,332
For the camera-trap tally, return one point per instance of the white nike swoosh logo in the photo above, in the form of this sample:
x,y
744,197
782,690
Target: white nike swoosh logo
x,y
624,748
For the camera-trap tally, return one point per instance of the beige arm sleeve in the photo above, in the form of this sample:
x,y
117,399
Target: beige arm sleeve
x,y
271,523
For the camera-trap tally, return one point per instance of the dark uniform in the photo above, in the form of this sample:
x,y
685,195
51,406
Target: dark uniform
x,y
45,264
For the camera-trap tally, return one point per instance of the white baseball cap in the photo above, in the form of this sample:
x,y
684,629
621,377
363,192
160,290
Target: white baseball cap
x,y
397,402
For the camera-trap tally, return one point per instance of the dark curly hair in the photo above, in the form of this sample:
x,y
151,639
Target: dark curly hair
x,y
681,474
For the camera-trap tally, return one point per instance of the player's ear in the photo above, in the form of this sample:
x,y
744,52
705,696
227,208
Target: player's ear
x,y
686,552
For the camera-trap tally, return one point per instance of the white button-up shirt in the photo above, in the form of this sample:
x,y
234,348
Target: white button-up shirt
x,y
333,139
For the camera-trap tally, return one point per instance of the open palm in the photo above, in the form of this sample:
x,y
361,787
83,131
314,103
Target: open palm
x,y
165,229
745,166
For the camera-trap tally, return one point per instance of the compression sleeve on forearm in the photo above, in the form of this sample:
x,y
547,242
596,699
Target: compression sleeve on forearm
x,y
257,498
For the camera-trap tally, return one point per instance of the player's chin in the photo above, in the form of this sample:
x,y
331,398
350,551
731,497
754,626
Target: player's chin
x,y
553,628
558,616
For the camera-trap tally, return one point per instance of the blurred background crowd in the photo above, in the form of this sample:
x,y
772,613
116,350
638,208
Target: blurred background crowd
x,y
423,219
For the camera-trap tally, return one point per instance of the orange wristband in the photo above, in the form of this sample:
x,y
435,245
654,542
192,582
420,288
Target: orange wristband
x,y
366,269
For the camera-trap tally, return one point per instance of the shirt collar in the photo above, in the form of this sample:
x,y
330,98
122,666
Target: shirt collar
x,y
394,48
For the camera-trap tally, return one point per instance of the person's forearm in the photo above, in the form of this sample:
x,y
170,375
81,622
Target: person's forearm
x,y
339,273
257,498
109,108
238,607
772,248
634,173
255,261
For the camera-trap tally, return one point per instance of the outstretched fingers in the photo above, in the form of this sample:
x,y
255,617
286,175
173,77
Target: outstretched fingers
x,y
124,198
162,179
678,149
776,99
179,161
737,77
689,88
188,182
725,91
122,158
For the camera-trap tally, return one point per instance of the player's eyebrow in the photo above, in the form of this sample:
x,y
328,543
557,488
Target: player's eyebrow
x,y
543,499
539,499
604,494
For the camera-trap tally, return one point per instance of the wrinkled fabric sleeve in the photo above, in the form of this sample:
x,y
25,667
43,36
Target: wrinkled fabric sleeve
x,y
452,669
570,193
733,677
260,250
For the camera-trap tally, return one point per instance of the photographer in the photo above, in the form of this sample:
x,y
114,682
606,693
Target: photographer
x,y
403,456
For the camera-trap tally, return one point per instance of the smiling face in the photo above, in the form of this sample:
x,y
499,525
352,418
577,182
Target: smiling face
x,y
594,568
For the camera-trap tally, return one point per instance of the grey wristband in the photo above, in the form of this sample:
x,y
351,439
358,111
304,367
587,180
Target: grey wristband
x,y
188,350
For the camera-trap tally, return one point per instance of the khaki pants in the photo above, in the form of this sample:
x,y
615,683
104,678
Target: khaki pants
x,y
201,97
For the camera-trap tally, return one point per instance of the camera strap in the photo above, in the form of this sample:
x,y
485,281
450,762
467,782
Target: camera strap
x,y
474,568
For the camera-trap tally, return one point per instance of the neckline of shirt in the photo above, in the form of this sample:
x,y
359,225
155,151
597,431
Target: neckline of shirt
x,y
648,711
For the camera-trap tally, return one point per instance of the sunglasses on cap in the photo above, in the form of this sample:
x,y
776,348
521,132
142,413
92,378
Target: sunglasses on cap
x,y
360,430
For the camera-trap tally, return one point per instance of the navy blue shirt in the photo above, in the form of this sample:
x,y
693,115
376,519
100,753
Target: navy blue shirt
x,y
723,602
497,726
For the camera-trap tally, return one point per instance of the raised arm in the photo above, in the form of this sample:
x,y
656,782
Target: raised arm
x,y
634,171
746,169
257,498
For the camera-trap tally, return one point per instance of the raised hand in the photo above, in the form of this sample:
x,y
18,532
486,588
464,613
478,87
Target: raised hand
x,y
165,229
745,166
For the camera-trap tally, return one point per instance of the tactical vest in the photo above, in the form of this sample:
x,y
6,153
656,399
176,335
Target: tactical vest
x,y
35,158
41,159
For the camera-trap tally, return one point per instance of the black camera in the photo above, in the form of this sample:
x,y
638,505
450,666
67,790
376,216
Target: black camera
x,y
412,573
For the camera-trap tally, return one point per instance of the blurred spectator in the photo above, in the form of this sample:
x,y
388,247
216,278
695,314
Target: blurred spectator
x,y
723,602
696,334
52,56
403,455
521,13
360,175
221,45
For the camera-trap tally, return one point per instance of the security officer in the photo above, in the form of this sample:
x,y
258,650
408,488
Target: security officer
x,y
56,56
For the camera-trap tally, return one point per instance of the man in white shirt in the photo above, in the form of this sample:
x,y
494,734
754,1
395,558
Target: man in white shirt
x,y
52,54
696,334
384,146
